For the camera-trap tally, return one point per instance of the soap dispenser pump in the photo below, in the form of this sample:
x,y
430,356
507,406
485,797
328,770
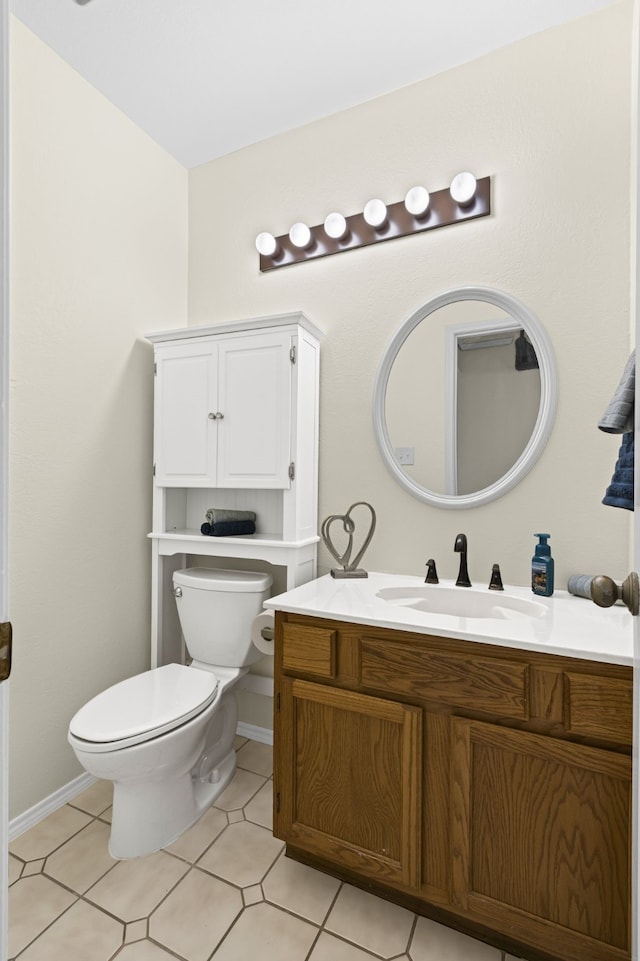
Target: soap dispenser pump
x,y
542,567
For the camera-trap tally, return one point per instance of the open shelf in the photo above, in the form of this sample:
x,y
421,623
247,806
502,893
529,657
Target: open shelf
x,y
268,540
269,547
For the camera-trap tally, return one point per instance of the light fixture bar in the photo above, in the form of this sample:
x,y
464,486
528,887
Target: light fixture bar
x,y
442,212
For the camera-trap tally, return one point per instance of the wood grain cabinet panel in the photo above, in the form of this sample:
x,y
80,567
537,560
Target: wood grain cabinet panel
x,y
488,788
600,707
350,787
539,837
484,684
309,650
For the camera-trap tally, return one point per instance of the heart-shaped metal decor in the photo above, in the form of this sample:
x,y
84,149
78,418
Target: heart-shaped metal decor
x,y
349,567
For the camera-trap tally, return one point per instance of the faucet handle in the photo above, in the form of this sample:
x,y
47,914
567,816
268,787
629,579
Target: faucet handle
x,y
496,579
432,574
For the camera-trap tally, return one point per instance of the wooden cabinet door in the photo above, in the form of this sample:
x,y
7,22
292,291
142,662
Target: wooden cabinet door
x,y
254,435
347,780
186,394
540,840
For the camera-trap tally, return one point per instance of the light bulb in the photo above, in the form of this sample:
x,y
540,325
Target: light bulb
x,y
300,235
375,212
463,188
417,201
335,226
266,244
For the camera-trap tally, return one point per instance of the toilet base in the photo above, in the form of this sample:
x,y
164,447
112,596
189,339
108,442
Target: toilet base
x,y
161,786
178,803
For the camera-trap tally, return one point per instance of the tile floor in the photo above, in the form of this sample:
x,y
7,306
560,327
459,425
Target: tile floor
x,y
222,891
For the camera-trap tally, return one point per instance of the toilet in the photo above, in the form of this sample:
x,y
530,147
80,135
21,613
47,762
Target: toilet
x,y
165,737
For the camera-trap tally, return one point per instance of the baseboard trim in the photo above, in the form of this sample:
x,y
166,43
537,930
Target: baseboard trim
x,y
48,805
262,734
63,795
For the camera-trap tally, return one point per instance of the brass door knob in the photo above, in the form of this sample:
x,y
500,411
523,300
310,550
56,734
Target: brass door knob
x,y
605,592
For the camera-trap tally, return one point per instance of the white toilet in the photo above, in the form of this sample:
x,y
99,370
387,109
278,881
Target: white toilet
x,y
165,737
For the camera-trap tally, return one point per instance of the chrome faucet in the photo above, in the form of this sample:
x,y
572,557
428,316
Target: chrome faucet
x,y
460,547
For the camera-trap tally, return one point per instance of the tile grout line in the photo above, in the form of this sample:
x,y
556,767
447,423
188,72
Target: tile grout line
x,y
44,930
322,929
192,866
93,817
83,896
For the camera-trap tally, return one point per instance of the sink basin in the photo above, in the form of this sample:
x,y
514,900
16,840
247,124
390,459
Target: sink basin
x,y
462,602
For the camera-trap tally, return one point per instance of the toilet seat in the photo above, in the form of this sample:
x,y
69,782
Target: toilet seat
x,y
143,707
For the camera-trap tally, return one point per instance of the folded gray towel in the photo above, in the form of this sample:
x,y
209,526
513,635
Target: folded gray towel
x,y
618,417
580,585
228,528
222,515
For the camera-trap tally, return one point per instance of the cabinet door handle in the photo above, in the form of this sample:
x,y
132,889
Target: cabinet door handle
x,y
216,416
605,591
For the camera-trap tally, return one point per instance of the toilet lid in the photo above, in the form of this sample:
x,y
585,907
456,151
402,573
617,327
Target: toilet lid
x,y
143,706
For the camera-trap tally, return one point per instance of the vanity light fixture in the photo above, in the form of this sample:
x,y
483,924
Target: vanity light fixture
x,y
266,244
375,213
300,236
463,188
465,199
417,201
335,226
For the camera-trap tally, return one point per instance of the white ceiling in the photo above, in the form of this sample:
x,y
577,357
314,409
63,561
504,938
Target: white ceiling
x,y
206,77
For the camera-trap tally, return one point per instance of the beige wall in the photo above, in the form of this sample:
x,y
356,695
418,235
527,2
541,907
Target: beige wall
x,y
99,256
549,119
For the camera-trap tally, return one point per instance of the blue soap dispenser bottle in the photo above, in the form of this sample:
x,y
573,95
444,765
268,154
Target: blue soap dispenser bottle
x,y
542,567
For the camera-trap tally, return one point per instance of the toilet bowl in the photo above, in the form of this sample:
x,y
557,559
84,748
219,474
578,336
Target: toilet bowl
x,y
165,737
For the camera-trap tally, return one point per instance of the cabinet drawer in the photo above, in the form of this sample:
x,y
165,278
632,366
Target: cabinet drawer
x,y
600,707
309,650
479,683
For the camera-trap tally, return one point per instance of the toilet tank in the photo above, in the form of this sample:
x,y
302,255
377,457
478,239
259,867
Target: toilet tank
x,y
216,609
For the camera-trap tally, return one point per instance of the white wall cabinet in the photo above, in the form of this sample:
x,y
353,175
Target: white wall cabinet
x,y
235,426
223,412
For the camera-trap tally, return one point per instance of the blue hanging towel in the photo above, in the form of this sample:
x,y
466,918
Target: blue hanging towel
x,y
620,490
619,419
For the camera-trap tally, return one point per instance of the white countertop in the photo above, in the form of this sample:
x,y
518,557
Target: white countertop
x,y
570,626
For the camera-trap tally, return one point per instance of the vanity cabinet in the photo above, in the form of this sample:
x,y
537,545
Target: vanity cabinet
x,y
352,791
236,427
487,787
540,838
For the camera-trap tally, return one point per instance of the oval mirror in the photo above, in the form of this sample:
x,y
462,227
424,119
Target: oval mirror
x,y
465,397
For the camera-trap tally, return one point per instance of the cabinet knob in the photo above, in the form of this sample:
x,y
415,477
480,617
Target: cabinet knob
x,y
605,591
216,416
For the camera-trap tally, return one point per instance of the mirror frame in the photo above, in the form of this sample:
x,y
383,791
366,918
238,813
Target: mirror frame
x,y
546,413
